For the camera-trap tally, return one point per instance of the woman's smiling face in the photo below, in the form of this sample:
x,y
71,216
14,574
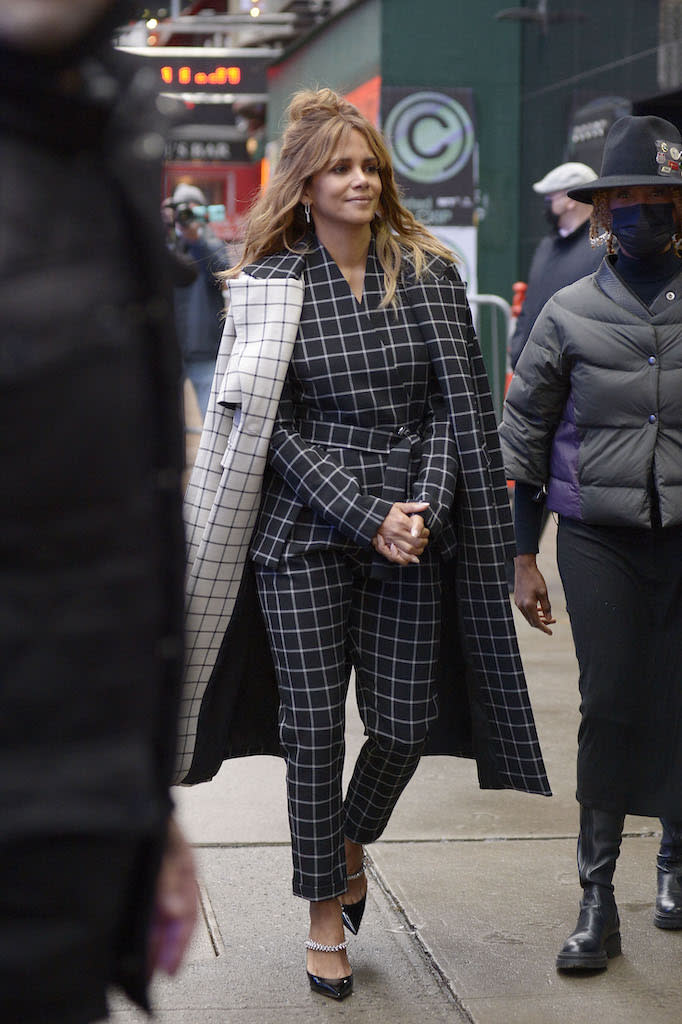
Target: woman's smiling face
x,y
347,191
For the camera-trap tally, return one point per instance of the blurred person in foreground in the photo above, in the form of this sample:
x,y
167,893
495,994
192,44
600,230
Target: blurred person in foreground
x,y
351,396
97,881
593,427
564,255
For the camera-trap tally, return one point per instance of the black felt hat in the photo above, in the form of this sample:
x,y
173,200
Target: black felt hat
x,y
639,150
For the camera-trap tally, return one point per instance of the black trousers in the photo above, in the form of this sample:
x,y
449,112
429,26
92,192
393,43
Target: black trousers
x,y
324,616
623,591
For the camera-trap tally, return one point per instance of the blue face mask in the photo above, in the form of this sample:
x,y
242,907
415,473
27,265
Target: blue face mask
x,y
643,230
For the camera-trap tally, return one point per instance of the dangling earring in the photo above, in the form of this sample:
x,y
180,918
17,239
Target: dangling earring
x,y
306,210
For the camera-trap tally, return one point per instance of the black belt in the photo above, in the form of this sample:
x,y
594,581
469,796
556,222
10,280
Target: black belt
x,y
397,444
380,440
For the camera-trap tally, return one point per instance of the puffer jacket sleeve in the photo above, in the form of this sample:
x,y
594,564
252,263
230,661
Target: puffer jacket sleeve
x,y
536,398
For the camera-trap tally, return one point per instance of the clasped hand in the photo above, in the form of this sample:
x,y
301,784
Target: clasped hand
x,y
402,537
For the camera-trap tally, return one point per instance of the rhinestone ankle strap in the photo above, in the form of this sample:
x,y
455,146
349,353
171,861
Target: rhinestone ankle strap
x,y
320,947
358,874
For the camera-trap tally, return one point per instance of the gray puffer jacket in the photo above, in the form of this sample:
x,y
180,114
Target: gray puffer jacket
x,y
594,410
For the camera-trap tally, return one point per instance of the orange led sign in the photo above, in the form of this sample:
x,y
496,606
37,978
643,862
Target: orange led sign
x,y
192,71
186,75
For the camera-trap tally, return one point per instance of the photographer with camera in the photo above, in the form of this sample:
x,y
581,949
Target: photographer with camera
x,y
198,306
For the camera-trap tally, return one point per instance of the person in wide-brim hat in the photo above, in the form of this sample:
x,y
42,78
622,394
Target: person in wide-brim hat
x,y
592,428
640,151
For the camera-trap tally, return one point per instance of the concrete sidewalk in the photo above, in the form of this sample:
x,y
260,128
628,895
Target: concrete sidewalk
x,y
471,894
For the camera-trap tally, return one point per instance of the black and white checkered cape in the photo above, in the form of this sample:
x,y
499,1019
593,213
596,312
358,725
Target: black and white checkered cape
x,y
222,504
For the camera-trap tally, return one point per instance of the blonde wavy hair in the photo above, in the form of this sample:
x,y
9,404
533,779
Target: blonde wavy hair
x,y
601,222
318,122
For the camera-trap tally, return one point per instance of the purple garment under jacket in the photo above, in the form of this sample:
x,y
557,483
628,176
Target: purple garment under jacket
x,y
563,489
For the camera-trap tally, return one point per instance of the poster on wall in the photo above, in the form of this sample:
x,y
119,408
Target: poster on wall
x,y
463,242
432,139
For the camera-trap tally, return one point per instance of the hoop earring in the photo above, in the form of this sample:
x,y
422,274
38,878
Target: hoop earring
x,y
306,210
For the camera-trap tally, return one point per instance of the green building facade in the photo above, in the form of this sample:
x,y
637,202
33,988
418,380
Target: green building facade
x,y
435,44
547,81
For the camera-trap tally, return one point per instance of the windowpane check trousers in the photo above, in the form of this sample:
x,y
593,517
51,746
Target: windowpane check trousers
x,y
325,616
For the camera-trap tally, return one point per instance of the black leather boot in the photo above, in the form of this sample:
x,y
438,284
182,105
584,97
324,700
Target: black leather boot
x,y
597,934
668,913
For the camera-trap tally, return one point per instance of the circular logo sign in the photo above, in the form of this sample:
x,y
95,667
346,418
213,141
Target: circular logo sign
x,y
431,136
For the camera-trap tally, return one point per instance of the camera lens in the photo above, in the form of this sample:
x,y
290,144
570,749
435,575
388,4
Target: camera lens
x,y
184,215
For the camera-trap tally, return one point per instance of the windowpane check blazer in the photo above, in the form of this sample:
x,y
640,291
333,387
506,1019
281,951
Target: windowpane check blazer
x,y
230,701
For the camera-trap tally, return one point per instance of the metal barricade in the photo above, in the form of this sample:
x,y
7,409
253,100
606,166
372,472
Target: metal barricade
x,y
492,319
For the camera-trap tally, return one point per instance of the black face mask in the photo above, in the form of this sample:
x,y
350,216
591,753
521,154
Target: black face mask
x,y
551,217
643,230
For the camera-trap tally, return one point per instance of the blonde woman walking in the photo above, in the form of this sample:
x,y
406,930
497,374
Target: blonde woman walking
x,y
350,474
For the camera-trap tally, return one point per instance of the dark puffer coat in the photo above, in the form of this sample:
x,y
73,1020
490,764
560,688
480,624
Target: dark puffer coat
x,y
593,410
91,547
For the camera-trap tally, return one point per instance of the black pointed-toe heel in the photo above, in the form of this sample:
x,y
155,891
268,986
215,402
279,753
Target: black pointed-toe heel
x,y
333,988
351,913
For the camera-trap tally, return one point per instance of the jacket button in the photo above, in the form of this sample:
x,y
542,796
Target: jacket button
x,y
670,296
652,360
653,418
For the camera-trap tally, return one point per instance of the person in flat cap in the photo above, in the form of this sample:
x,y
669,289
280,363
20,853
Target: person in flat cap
x,y
562,256
186,193
593,428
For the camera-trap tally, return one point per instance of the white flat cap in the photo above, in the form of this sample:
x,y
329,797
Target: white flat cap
x,y
563,177
185,193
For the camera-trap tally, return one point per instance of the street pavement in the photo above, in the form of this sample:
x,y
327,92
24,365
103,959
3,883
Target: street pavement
x,y
471,893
